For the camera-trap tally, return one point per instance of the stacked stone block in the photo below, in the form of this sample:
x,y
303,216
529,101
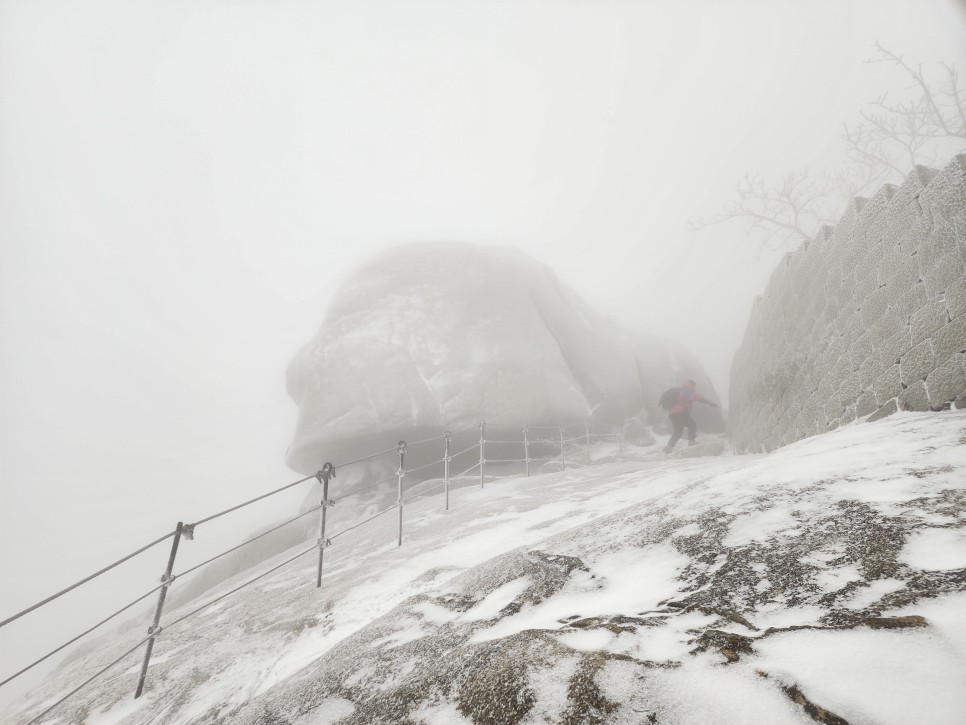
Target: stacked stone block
x,y
866,319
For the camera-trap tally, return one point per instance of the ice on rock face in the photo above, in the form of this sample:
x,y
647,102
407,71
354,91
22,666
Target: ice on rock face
x,y
428,336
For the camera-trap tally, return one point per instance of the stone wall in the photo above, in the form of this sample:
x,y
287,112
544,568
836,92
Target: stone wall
x,y
866,319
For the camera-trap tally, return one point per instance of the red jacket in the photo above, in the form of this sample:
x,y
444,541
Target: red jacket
x,y
686,398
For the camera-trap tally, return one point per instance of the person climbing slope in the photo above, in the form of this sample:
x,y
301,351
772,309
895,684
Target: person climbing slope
x,y
679,411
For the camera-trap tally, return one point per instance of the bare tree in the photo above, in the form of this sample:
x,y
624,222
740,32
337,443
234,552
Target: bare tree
x,y
890,137
791,209
893,136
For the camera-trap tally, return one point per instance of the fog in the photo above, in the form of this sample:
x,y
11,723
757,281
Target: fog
x,y
183,185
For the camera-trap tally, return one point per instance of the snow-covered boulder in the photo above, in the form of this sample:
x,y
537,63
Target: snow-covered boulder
x,y
432,336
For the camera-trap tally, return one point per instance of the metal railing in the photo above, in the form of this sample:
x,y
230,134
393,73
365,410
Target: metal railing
x,y
182,531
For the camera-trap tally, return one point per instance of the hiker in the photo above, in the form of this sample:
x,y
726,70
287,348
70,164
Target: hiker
x,y
679,411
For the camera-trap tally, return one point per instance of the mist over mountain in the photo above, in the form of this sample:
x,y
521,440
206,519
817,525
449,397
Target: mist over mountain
x,y
438,335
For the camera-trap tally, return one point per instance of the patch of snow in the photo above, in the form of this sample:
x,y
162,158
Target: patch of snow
x,y
441,712
360,675
821,557
400,637
587,640
331,710
701,691
872,676
663,642
398,675
434,613
760,526
869,595
947,615
832,580
307,648
691,529
631,580
935,549
227,688
620,682
550,687
156,659
491,605
778,615
121,711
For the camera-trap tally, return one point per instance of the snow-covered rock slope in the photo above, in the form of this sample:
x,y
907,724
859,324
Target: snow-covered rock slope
x,y
824,581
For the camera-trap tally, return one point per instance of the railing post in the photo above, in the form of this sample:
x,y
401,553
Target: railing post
x,y
446,460
482,453
327,472
154,630
587,440
563,462
401,450
526,449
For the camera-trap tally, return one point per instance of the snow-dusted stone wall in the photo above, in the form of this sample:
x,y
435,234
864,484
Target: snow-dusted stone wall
x,y
425,337
867,319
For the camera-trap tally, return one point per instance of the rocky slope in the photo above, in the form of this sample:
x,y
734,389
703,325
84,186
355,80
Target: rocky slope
x,y
822,582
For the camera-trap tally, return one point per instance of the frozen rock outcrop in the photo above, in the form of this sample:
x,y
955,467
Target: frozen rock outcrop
x,y
430,336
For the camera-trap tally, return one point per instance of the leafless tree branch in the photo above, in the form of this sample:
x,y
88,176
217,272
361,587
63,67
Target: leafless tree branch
x,y
890,137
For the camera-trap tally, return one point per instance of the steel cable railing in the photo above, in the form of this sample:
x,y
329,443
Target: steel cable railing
x,y
187,531
82,634
365,521
460,475
249,541
250,501
370,457
239,587
474,447
424,466
86,579
177,533
425,440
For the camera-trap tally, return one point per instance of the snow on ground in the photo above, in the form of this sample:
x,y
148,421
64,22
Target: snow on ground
x,y
635,589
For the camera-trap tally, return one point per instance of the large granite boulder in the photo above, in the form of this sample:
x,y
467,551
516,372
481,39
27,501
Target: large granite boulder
x,y
432,336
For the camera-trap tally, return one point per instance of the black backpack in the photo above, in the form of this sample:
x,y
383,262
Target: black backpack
x,y
669,398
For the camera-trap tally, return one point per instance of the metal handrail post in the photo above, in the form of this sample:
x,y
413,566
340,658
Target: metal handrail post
x,y
563,462
401,473
587,441
154,630
327,472
482,453
526,449
446,460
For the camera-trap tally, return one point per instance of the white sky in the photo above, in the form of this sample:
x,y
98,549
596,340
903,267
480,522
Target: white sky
x,y
183,185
